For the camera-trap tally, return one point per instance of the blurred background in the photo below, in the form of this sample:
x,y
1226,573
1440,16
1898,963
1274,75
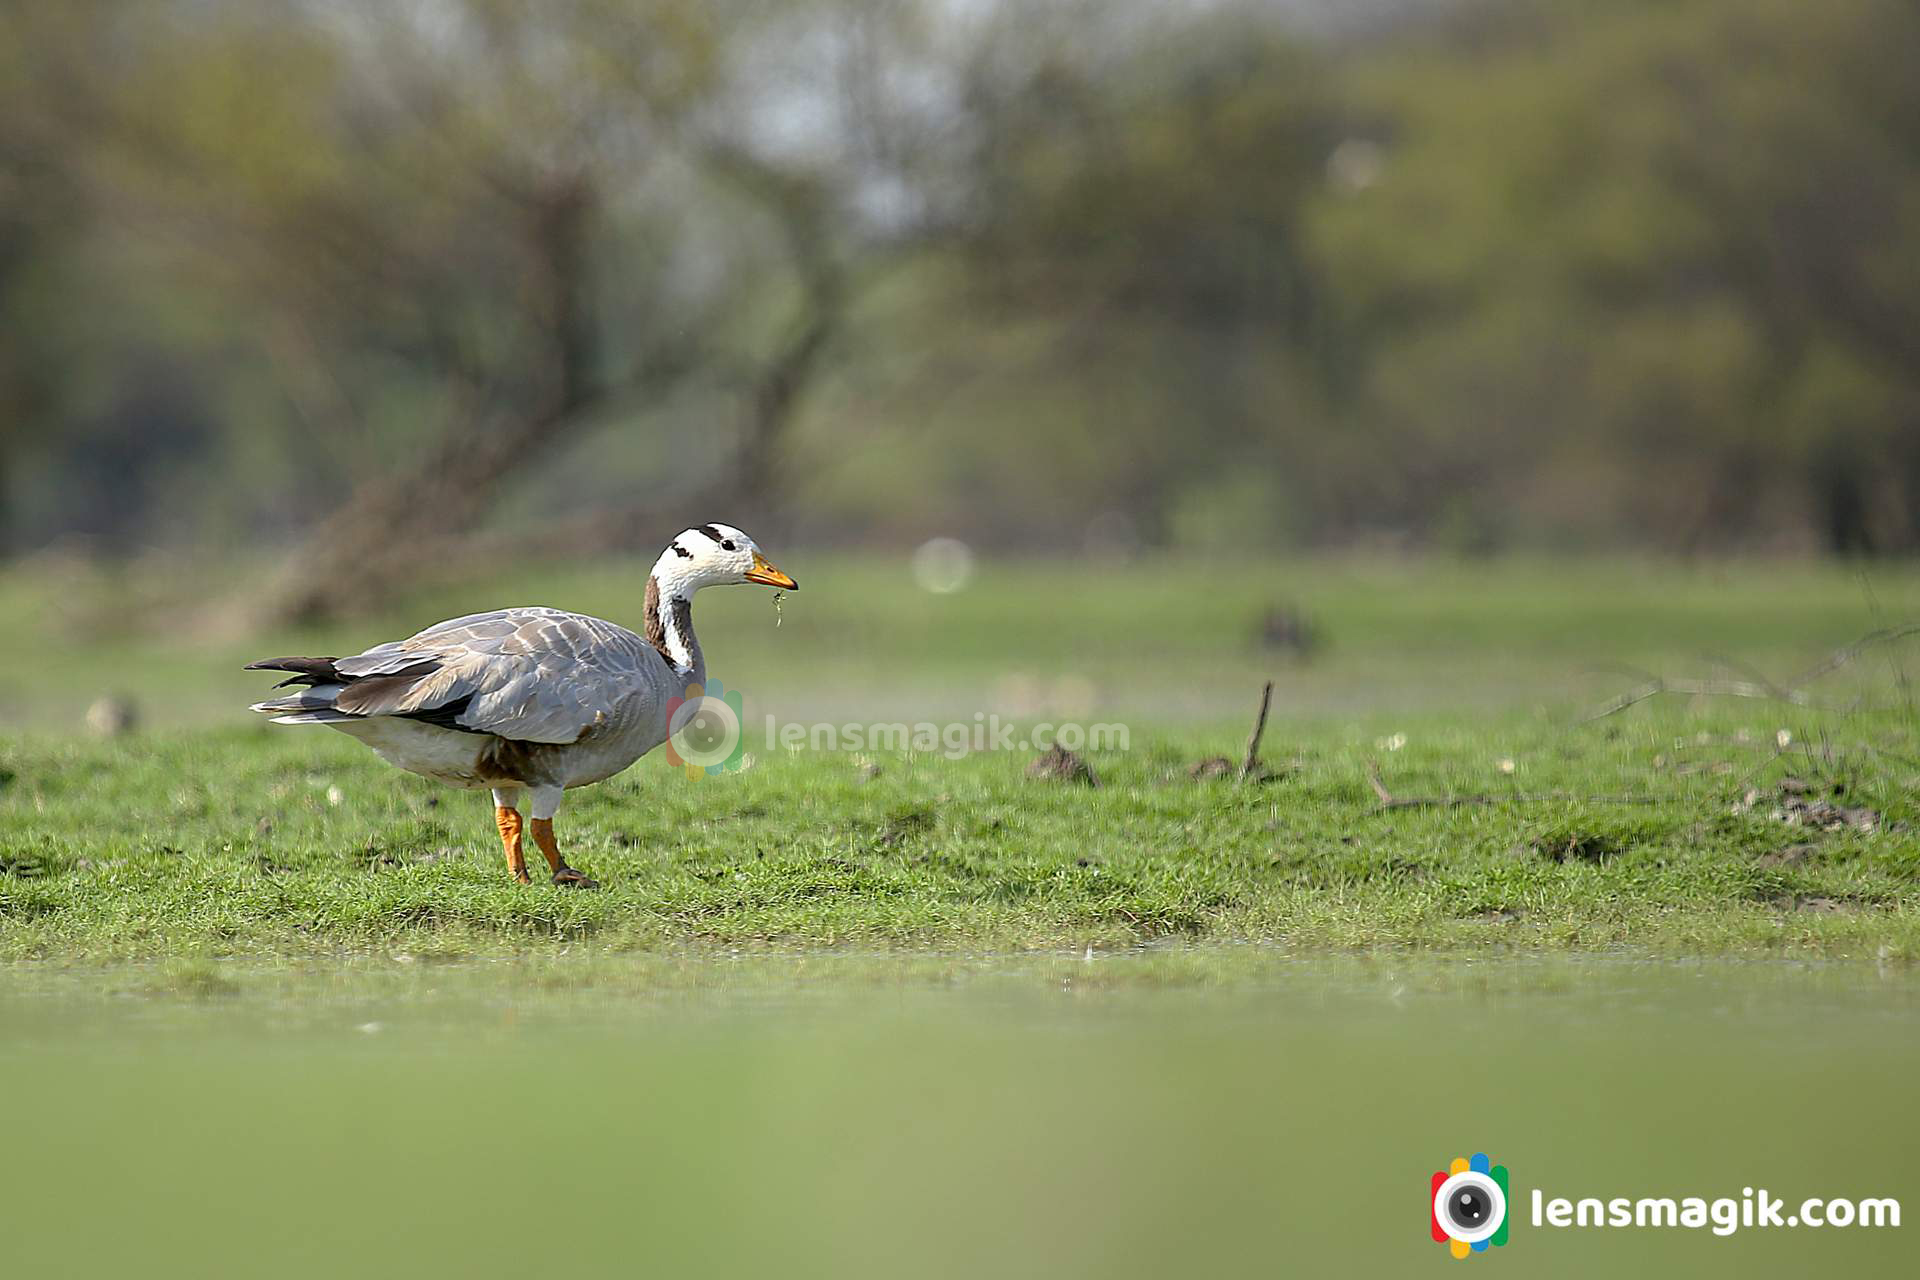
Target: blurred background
x,y
311,306
1084,360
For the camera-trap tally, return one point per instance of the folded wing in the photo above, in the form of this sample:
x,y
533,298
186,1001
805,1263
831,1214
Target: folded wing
x,y
532,675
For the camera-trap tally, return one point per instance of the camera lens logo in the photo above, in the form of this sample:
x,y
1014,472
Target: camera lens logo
x,y
1469,1207
704,734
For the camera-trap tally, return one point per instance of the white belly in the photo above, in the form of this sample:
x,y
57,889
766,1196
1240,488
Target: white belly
x,y
452,757
445,755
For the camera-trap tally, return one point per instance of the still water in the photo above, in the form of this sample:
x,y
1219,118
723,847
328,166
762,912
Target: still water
x,y
1206,1112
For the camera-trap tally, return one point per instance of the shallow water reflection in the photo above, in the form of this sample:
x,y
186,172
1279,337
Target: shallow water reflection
x,y
1186,1111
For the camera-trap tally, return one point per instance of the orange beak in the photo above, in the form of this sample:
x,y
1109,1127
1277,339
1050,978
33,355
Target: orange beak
x,y
764,573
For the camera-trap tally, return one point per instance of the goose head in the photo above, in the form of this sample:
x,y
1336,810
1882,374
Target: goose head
x,y
713,555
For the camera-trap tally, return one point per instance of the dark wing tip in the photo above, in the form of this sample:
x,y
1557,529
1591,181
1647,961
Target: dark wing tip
x,y
311,669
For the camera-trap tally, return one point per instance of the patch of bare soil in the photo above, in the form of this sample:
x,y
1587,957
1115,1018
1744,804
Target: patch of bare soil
x,y
1061,765
1799,803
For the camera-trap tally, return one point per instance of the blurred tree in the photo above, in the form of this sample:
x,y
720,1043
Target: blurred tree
x,y
40,220
1645,267
459,237
1137,208
402,284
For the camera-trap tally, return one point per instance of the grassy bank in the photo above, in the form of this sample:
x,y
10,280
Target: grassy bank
x,y
1659,828
1664,826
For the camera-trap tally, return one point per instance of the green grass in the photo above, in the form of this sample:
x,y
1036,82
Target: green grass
x,y
1622,833
185,841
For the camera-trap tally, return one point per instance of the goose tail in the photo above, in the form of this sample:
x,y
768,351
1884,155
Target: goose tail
x,y
315,686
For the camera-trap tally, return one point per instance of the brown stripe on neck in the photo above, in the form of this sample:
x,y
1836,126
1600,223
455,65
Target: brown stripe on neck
x,y
681,612
656,630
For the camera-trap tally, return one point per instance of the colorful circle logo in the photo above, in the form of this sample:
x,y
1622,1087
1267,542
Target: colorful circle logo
x,y
1469,1206
705,730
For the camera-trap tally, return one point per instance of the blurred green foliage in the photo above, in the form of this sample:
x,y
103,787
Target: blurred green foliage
x,y
1648,266
1548,273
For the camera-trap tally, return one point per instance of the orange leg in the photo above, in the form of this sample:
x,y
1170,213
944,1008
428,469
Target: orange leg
x,y
562,873
508,820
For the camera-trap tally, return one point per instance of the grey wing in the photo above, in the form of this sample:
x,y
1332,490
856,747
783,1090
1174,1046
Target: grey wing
x,y
534,675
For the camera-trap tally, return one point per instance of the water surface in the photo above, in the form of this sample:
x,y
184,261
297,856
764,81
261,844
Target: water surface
x,y
1191,1112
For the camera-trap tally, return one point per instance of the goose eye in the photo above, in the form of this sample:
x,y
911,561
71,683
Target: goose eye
x,y
727,545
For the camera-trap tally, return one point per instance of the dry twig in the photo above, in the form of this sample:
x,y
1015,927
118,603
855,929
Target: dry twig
x,y
1259,728
1659,685
1390,801
1757,686
1842,656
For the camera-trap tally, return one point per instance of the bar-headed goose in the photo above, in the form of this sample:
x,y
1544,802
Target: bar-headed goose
x,y
534,700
